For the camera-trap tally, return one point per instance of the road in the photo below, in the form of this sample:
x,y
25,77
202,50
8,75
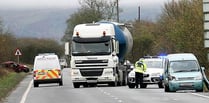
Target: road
x,y
53,93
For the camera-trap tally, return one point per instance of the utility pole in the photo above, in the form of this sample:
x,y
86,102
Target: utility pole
x,y
117,7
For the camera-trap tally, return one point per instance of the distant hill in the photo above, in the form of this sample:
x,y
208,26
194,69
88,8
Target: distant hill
x,y
45,23
51,23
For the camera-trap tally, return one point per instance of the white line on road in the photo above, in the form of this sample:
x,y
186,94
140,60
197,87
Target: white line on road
x,y
26,92
204,96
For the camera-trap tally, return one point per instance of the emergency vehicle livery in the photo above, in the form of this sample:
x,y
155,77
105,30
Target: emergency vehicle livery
x,y
47,69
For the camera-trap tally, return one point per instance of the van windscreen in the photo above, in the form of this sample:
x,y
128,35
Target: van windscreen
x,y
183,66
47,63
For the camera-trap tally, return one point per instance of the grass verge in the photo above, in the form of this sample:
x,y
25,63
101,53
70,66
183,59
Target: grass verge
x,y
8,82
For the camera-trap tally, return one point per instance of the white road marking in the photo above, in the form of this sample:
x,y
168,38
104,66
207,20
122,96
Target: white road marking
x,y
26,92
204,96
110,95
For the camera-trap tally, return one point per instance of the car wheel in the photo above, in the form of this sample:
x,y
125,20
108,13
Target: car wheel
x,y
26,70
131,85
143,85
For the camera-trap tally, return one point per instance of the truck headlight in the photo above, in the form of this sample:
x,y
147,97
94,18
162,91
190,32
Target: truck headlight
x,y
199,77
73,73
108,72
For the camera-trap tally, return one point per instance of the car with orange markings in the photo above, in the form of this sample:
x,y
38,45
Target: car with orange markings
x,y
47,69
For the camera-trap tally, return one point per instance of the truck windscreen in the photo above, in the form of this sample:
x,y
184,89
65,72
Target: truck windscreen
x,y
100,48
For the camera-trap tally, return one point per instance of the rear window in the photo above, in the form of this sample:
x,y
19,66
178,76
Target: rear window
x,y
154,64
47,62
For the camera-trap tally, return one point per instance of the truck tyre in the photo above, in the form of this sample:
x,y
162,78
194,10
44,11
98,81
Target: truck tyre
x,y
131,85
76,85
113,84
85,85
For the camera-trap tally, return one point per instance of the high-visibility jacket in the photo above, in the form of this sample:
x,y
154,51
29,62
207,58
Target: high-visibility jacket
x,y
140,68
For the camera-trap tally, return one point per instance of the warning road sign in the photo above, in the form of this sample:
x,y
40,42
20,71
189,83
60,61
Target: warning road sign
x,y
17,52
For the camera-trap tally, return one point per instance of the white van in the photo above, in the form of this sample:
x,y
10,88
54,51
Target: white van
x,y
47,69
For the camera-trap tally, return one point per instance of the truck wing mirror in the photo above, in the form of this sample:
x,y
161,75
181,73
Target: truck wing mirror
x,y
117,47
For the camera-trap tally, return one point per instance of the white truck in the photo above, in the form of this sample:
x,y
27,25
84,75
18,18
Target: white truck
x,y
98,53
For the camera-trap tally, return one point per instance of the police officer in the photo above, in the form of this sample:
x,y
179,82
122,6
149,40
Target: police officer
x,y
140,68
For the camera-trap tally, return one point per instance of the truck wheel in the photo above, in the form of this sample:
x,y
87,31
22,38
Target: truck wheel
x,y
85,85
131,85
76,85
113,84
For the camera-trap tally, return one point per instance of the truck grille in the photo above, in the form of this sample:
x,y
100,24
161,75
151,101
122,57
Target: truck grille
x,y
91,72
91,63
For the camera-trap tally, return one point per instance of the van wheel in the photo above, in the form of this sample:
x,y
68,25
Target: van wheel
x,y
166,89
35,84
76,85
61,83
201,90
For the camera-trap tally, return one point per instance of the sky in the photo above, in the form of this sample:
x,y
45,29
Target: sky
x,y
129,7
150,9
69,3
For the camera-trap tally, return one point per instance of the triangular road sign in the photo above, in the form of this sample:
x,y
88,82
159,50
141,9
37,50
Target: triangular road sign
x,y
17,52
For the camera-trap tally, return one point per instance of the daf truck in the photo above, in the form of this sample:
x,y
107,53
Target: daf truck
x,y
97,54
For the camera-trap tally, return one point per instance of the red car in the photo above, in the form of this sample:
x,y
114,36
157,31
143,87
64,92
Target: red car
x,y
15,66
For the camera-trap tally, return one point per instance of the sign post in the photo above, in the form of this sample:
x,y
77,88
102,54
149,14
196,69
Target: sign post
x,y
18,54
206,24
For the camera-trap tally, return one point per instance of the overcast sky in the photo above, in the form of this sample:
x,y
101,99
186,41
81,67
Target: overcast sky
x,y
129,7
69,3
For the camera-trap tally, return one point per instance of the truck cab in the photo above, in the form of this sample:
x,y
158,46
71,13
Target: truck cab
x,y
182,72
97,52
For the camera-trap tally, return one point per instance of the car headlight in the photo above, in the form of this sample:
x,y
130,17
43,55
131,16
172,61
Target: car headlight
x,y
131,74
156,74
